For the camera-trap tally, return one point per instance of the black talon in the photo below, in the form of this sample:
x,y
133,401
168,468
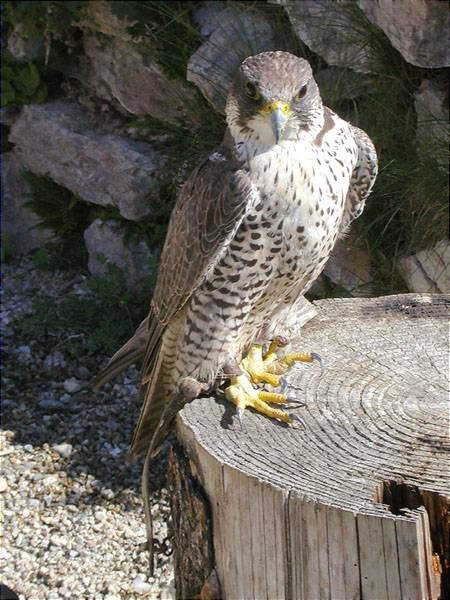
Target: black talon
x,y
296,420
318,358
294,402
283,385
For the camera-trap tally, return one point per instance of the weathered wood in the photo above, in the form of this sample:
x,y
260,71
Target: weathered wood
x,y
355,503
191,528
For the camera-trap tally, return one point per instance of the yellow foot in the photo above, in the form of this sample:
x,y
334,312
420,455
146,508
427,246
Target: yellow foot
x,y
242,393
266,368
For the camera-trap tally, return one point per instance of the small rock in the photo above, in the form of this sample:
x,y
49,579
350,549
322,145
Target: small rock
x,y
139,586
64,450
72,385
54,360
3,484
50,404
23,354
100,515
83,373
107,493
58,540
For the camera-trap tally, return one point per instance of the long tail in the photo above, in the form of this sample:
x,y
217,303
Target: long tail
x,y
131,352
155,395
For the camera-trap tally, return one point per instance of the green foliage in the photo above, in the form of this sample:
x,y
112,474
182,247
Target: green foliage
x,y
54,17
53,26
68,216
166,29
21,83
63,213
98,322
184,146
45,260
6,249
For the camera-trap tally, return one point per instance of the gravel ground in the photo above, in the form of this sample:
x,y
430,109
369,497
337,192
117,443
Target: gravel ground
x,y
73,515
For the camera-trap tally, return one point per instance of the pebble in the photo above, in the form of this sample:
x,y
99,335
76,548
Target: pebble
x,y
64,450
54,360
139,586
72,527
58,540
72,385
50,404
24,354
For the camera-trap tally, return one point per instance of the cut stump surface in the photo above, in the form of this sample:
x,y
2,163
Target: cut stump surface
x,y
355,503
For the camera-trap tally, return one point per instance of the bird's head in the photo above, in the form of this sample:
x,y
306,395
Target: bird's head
x,y
274,98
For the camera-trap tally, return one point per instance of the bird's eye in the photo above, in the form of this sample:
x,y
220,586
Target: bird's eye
x,y
301,93
251,91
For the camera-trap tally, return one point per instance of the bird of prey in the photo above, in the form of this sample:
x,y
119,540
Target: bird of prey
x,y
252,229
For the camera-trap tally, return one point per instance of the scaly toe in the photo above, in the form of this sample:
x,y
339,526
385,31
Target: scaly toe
x,y
272,397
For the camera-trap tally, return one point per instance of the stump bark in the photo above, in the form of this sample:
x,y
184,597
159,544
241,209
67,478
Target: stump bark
x,y
355,503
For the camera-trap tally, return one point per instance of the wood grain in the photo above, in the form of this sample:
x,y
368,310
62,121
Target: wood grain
x,y
303,513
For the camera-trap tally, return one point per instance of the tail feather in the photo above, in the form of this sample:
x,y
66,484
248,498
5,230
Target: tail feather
x,y
131,352
154,394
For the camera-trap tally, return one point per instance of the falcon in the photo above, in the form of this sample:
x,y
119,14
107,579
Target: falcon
x,y
252,229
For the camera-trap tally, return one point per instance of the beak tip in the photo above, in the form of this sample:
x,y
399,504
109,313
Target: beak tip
x,y
278,121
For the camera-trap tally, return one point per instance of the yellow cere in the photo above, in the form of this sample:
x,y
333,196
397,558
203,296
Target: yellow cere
x,y
272,106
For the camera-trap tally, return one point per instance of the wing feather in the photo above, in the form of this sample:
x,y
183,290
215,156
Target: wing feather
x,y
363,178
210,208
208,213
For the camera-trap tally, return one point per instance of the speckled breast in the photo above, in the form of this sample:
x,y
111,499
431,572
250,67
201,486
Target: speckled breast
x,y
291,231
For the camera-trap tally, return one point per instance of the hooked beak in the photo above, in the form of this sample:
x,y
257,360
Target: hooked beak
x,y
279,114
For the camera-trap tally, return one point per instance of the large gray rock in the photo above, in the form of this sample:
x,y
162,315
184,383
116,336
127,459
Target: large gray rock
x,y
418,29
57,139
236,34
99,17
18,221
207,16
428,270
105,240
116,70
330,30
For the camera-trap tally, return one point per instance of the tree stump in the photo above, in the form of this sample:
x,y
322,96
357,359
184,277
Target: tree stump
x,y
355,503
